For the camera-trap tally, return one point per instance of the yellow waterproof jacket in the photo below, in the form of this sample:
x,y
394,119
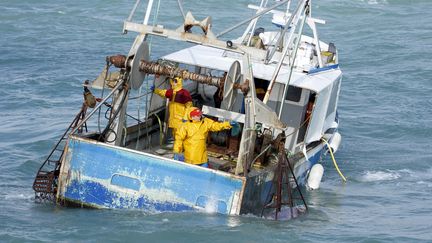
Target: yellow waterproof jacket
x,y
180,100
191,139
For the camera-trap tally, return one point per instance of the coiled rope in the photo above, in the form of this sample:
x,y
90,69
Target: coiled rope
x,y
156,68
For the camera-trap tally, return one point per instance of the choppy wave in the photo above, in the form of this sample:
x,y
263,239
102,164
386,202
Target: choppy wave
x,y
389,175
49,47
19,196
380,176
375,2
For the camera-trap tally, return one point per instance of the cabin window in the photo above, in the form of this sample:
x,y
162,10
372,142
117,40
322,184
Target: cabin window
x,y
293,94
261,86
211,204
333,98
126,182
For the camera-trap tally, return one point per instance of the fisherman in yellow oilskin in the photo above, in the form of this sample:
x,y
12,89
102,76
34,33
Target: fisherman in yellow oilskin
x,y
191,138
180,99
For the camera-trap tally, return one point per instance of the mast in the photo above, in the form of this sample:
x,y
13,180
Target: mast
x,y
291,24
306,9
114,134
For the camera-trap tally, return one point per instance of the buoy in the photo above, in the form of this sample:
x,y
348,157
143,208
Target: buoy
x,y
335,142
315,176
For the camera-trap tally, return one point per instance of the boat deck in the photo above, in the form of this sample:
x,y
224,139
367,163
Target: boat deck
x,y
216,161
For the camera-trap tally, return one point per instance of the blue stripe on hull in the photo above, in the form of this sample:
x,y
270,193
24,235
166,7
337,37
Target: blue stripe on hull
x,y
301,171
111,177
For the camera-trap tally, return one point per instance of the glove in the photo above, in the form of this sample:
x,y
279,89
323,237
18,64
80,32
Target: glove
x,y
178,157
152,88
235,128
233,123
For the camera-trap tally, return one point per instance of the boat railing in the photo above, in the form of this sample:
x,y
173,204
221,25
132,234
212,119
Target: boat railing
x,y
45,182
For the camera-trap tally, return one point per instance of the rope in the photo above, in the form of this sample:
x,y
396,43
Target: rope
x,y
125,134
113,117
108,65
161,136
259,155
156,68
141,95
298,128
181,9
334,160
155,17
139,119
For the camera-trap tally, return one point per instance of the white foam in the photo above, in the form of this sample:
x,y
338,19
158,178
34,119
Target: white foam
x,y
380,176
18,196
421,175
427,184
376,2
233,221
389,175
211,206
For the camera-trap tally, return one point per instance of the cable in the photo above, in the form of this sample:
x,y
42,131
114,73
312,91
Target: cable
x,y
108,65
334,160
259,155
142,95
113,132
125,135
113,117
161,136
139,121
296,129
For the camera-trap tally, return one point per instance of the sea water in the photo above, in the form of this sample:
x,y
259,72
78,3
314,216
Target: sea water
x,y
48,48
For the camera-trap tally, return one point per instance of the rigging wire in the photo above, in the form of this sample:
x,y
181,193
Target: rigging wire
x,y
139,120
133,10
125,135
259,155
262,4
140,95
114,115
161,134
146,110
181,9
108,65
298,128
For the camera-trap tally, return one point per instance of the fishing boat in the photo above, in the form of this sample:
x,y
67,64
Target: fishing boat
x,y
280,85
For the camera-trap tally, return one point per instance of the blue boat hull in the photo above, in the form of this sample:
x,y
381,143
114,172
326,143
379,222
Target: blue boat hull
x,y
103,176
